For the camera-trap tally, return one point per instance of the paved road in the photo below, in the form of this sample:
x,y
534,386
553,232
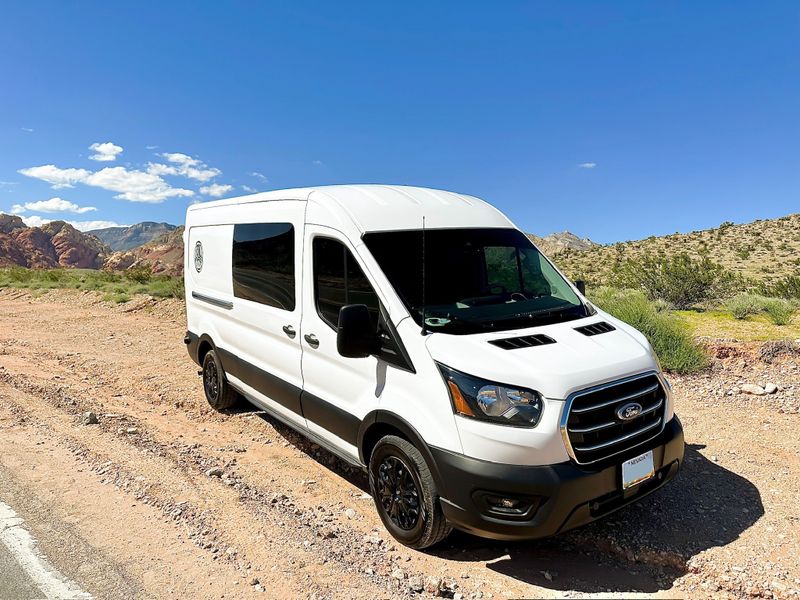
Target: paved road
x,y
14,582
25,573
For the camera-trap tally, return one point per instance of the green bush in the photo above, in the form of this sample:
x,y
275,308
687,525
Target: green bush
x,y
779,311
113,285
744,305
140,274
672,342
788,287
679,279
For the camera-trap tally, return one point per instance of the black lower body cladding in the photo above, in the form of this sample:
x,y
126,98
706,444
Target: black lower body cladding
x,y
192,342
552,498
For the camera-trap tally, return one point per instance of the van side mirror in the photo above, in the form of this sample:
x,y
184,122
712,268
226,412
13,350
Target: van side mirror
x,y
356,337
581,285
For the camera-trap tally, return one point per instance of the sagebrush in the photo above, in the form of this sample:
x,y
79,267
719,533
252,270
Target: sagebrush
x,y
680,279
670,338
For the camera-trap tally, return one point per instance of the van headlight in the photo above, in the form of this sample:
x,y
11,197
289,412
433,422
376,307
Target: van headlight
x,y
489,401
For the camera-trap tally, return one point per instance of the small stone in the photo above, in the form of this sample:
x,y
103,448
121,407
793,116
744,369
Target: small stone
x,y
770,388
131,430
398,574
215,472
415,584
89,418
432,585
755,390
350,513
254,581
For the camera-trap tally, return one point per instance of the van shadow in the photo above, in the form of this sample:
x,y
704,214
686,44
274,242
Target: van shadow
x,y
643,547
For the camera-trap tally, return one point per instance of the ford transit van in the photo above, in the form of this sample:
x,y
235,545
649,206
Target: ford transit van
x,y
420,335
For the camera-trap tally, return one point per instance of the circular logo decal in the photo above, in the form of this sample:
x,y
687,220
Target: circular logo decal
x,y
198,256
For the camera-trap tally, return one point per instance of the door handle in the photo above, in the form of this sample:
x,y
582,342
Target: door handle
x,y
289,330
312,340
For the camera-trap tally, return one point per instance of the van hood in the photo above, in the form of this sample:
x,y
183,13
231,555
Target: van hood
x,y
574,362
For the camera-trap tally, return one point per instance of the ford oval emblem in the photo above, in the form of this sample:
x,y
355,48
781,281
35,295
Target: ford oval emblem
x,y
629,411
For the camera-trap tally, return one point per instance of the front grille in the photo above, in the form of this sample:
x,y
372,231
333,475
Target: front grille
x,y
527,341
594,431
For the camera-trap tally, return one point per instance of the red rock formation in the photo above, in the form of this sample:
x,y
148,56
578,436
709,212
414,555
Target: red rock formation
x,y
56,244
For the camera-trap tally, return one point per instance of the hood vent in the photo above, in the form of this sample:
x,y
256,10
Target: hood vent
x,y
528,341
595,328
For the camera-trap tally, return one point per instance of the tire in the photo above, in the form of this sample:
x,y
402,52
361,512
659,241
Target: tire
x,y
219,393
413,516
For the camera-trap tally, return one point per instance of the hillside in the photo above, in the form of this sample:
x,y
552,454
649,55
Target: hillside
x,y
164,254
56,244
125,238
763,250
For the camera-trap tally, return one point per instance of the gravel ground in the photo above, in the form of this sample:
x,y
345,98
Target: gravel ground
x,y
178,501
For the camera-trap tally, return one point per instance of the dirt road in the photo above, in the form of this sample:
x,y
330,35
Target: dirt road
x,y
132,506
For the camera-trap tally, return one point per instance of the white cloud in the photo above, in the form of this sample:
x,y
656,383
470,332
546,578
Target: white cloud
x,y
316,162
8,183
184,165
37,221
151,147
53,205
587,165
89,225
258,175
133,185
58,178
28,129
249,189
215,190
106,151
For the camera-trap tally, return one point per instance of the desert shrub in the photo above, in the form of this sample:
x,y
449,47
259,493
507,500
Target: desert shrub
x,y
779,311
163,286
671,340
18,274
744,305
661,305
679,279
788,287
139,274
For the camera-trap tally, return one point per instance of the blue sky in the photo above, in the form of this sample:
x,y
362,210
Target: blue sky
x,y
613,120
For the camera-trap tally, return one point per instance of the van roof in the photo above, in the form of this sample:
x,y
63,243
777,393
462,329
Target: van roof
x,y
375,207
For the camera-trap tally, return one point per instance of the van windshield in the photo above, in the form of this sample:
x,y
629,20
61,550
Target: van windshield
x,y
475,279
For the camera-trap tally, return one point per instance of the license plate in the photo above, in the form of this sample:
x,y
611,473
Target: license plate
x,y
636,470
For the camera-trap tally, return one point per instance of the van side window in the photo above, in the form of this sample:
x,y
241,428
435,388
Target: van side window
x,y
338,281
263,263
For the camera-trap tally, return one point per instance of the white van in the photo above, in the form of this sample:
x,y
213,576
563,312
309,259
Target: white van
x,y
451,360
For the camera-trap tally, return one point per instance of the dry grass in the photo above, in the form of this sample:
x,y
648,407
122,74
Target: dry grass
x,y
718,324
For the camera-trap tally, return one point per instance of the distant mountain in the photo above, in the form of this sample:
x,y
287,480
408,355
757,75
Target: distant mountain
x,y
164,255
56,244
125,238
556,243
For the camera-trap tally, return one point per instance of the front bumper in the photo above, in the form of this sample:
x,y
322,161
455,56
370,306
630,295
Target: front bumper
x,y
561,497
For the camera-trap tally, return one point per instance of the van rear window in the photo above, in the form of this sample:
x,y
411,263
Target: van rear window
x,y
263,263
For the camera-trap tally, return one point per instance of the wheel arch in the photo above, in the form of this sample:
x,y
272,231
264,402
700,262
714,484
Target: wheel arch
x,y
380,423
